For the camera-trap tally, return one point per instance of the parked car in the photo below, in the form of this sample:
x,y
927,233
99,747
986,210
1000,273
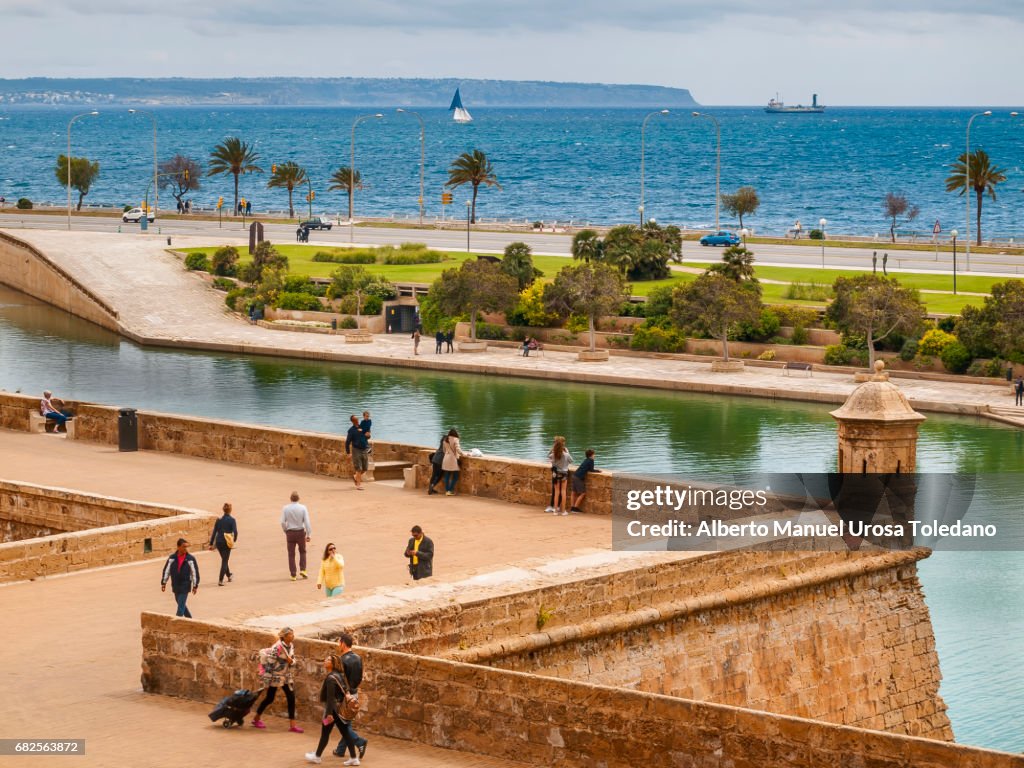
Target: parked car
x,y
720,238
137,213
316,223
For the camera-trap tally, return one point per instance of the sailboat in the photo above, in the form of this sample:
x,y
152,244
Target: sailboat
x,y
461,113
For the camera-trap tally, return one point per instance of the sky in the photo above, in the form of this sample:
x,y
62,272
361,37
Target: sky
x,y
727,52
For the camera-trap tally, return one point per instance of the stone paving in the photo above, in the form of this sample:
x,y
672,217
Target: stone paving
x,y
160,302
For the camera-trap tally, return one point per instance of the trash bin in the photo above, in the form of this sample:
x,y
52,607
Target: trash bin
x,y
334,323
1009,373
143,222
127,430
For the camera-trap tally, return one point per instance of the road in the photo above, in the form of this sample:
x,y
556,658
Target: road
x,y
231,229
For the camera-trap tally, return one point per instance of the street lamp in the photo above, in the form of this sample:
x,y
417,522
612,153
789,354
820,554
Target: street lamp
x,y
156,188
743,233
718,160
84,114
352,174
953,234
967,184
423,153
468,204
643,131
821,227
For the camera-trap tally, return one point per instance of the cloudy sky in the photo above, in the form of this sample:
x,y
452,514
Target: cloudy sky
x,y
852,52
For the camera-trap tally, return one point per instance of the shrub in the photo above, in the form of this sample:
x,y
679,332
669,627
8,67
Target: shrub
x,y
305,302
800,335
297,284
359,256
909,350
197,262
995,367
657,339
768,354
577,324
372,305
232,297
796,316
840,354
418,255
934,342
977,368
659,301
538,225
955,357
808,292
382,288
947,323
348,322
530,310
490,331
223,284
629,309
618,342
24,204
767,325
225,261
816,234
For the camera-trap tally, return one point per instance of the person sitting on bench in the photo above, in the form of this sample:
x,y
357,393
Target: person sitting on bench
x,y
50,411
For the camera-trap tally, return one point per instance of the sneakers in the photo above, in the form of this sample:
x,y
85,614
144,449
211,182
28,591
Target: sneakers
x,y
431,492
564,513
448,493
575,511
231,576
296,729
220,583
257,723
352,761
312,758
362,749
295,578
303,574
549,508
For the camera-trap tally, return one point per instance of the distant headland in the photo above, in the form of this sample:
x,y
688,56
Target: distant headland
x,y
333,91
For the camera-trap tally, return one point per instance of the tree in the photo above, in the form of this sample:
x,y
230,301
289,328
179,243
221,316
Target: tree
x,y
518,263
182,174
83,174
478,285
346,180
984,178
592,290
737,264
287,176
642,253
472,168
895,206
236,157
354,280
265,259
998,325
875,307
743,203
715,304
587,246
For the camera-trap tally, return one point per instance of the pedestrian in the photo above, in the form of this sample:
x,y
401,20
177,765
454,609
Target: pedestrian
x,y
366,427
352,676
420,552
223,538
356,448
450,462
416,341
277,670
1018,390
181,208
449,338
248,207
297,532
298,234
331,692
526,347
579,482
436,466
332,572
560,460
438,341
188,206
182,570
55,412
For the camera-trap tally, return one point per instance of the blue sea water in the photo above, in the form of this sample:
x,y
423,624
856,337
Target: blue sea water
x,y
553,164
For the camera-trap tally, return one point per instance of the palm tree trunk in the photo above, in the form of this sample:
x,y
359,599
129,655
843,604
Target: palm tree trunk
x,y
741,220
593,337
234,211
892,230
291,208
981,196
472,218
349,191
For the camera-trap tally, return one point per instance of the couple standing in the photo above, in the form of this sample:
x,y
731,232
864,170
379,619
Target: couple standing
x,y
445,461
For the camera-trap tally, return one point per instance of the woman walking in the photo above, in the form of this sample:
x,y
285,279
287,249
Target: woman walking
x,y
331,692
450,462
332,572
223,538
277,670
560,461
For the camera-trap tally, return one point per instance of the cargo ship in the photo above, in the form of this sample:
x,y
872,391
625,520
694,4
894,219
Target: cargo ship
x,y
776,105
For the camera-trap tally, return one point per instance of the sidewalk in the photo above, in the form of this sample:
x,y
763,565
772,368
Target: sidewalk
x,y
72,643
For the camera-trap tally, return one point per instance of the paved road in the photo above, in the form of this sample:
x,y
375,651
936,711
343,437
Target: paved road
x,y
547,243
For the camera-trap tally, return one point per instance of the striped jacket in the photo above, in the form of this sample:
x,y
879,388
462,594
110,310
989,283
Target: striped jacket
x,y
183,579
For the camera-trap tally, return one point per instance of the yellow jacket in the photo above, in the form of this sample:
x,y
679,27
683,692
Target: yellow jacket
x,y
332,572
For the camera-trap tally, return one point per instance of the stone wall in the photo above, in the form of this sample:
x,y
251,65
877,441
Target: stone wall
x,y
73,531
26,269
532,719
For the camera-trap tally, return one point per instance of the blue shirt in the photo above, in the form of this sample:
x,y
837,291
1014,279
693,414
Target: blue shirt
x,y
355,438
587,465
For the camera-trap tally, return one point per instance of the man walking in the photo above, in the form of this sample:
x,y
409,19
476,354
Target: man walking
x,y
182,570
449,338
297,531
357,447
1018,390
352,670
420,552
438,341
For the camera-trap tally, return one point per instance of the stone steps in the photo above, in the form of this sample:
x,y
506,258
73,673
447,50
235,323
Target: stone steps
x,y
388,470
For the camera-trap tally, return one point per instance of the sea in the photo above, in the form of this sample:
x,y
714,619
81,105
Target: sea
x,y
553,165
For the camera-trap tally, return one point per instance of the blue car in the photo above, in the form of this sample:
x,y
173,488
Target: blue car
x,y
720,238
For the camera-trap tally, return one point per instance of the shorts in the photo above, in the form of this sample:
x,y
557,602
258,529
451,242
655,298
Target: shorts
x,y
360,460
579,484
332,591
558,475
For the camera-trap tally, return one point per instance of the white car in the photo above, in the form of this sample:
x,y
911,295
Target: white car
x,y
137,213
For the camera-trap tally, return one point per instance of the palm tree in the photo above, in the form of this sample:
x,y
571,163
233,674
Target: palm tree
x,y
587,246
346,179
737,264
236,157
984,177
287,176
472,168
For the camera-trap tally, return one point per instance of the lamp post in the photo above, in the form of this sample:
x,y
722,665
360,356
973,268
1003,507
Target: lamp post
x,y
156,187
352,174
953,234
743,233
967,184
84,114
821,226
718,161
309,195
423,153
468,205
643,131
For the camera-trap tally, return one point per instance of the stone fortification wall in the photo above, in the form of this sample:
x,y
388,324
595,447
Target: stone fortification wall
x,y
533,719
27,269
73,531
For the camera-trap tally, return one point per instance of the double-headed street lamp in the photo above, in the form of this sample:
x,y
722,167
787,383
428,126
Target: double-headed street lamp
x,y
156,187
953,234
352,174
967,184
469,205
84,114
423,152
718,161
821,226
643,130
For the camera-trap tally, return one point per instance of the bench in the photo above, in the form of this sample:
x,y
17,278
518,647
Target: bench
x,y
37,423
794,366
539,350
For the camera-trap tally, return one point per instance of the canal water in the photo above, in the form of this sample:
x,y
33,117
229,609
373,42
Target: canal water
x,y
975,598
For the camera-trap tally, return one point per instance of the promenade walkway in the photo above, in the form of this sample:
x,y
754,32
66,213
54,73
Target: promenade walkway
x,y
160,302
72,643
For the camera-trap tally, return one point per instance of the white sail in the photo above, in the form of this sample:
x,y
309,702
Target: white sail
x,y
462,115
